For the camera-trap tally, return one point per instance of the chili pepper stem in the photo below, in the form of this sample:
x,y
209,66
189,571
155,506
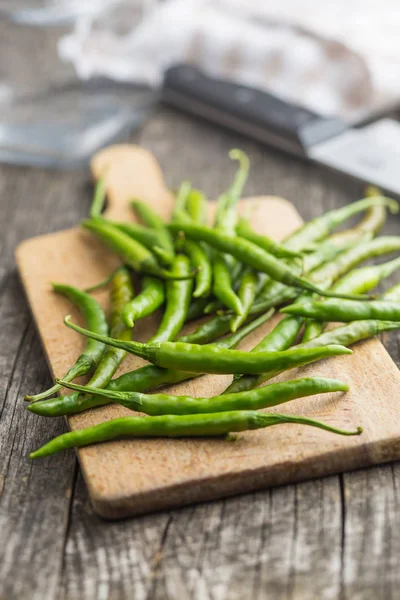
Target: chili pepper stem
x,y
105,282
77,370
138,347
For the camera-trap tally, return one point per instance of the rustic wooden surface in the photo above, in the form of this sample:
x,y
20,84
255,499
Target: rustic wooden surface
x,y
131,477
336,537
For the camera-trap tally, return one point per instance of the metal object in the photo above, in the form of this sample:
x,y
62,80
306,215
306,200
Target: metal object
x,y
369,153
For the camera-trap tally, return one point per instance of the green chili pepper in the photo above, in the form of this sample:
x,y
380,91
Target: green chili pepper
x,y
222,285
250,254
210,359
225,221
177,426
99,199
274,293
213,306
346,310
245,230
352,332
132,253
181,197
327,250
345,335
354,256
270,395
147,237
346,261
201,263
226,215
96,320
121,293
320,227
197,252
153,220
358,330
196,206
312,329
177,295
213,328
146,303
357,281
279,339
196,308
104,283
246,294
236,272
141,380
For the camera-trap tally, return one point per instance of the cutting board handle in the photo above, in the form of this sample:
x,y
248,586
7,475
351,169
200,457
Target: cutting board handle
x,y
125,168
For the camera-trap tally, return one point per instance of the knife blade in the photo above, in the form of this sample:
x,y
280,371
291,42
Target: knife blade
x,y
370,153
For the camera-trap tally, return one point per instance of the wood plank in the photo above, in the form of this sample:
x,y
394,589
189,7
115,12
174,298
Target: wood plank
x,y
154,474
34,499
371,557
109,560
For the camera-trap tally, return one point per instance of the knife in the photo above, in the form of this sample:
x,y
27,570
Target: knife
x,y
369,153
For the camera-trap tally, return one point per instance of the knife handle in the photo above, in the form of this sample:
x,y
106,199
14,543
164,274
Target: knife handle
x,y
247,110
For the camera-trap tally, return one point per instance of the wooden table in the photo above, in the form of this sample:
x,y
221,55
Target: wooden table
x,y
337,537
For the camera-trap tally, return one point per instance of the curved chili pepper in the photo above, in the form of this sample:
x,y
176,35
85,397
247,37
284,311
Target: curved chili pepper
x,y
226,215
236,273
121,293
141,380
146,303
196,308
179,212
177,300
99,198
225,221
245,230
197,252
177,426
152,219
214,328
246,294
344,335
355,255
352,332
250,254
133,254
346,310
222,285
147,237
357,281
202,265
210,359
265,397
96,320
280,338
196,206
275,293
320,227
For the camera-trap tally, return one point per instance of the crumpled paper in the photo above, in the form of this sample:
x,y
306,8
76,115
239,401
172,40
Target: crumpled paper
x,y
323,56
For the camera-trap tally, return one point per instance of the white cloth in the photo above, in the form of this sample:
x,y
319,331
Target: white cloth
x,y
337,58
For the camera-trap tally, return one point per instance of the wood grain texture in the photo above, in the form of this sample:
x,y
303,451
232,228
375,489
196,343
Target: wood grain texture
x,y
149,475
334,537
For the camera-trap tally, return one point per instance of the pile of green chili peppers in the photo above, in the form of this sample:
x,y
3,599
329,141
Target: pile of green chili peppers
x,y
234,279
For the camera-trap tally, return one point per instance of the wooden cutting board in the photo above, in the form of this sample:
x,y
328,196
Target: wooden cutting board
x,y
138,476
